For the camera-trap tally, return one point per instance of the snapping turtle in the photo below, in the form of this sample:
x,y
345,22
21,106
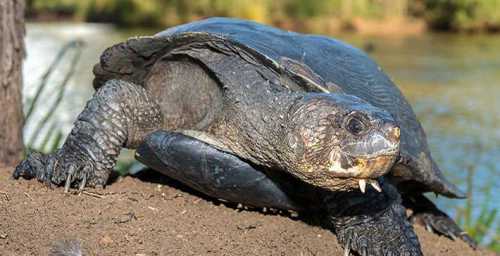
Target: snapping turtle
x,y
256,115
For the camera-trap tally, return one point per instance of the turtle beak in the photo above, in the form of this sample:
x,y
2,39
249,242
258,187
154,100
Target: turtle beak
x,y
384,142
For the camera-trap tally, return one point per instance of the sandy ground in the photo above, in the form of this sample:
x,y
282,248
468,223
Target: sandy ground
x,y
140,217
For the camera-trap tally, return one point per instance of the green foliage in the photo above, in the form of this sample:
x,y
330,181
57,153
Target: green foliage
x,y
440,14
171,12
495,242
481,227
125,12
485,227
123,166
463,14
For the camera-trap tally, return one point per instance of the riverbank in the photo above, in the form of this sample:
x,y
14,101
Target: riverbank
x,y
391,26
393,17
159,217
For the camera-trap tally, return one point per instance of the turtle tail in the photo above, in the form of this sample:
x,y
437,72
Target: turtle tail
x,y
442,186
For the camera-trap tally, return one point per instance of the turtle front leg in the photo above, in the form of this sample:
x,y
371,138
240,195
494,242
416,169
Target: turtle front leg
x,y
372,223
214,172
120,114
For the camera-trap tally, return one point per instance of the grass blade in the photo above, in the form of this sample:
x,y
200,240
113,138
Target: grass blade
x,y
45,77
61,89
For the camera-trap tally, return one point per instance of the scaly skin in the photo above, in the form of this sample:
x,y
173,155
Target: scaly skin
x,y
373,223
119,115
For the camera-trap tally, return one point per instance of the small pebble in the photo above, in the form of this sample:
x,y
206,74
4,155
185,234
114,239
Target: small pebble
x,y
106,240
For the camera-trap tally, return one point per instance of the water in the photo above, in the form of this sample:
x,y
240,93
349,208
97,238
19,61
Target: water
x,y
43,41
452,82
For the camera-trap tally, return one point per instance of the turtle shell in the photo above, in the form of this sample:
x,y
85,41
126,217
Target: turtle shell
x,y
317,63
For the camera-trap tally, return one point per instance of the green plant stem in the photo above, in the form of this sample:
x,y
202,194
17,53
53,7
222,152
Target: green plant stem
x,y
62,88
45,77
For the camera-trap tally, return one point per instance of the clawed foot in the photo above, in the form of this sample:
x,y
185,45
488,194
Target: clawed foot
x,y
386,234
59,169
434,220
373,223
440,223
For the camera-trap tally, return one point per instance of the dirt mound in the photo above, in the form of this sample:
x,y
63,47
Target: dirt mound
x,y
138,217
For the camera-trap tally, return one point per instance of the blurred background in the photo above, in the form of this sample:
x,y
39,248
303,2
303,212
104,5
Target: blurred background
x,y
444,55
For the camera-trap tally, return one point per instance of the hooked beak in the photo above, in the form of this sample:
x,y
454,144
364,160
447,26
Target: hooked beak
x,y
393,134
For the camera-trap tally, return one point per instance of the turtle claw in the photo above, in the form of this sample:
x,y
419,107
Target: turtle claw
x,y
347,251
36,165
425,213
60,170
83,182
67,184
69,176
440,223
372,223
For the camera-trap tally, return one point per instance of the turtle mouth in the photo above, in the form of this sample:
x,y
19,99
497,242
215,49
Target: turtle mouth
x,y
361,176
360,167
345,184
359,172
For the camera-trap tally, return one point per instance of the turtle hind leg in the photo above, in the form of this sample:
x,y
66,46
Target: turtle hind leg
x,y
211,171
425,213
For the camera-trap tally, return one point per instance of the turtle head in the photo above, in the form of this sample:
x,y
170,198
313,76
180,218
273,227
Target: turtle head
x,y
339,141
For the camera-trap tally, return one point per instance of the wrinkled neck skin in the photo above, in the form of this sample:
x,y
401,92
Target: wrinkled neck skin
x,y
255,129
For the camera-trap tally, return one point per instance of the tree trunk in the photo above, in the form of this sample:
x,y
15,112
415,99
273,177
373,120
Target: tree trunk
x,y
11,55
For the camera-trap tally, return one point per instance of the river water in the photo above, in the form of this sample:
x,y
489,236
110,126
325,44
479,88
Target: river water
x,y
452,82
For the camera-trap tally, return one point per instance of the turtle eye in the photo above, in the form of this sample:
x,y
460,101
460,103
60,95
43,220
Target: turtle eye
x,y
355,125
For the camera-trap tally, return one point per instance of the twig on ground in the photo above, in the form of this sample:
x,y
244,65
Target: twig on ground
x,y
28,196
93,194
